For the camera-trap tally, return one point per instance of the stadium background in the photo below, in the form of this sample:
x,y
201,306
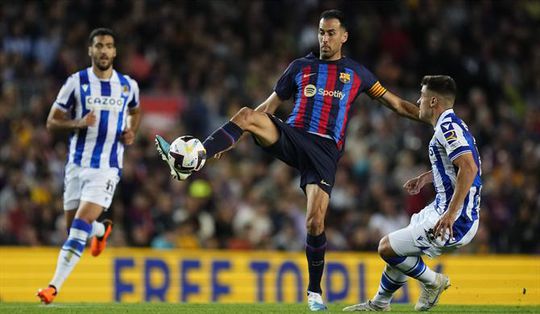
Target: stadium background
x,y
197,62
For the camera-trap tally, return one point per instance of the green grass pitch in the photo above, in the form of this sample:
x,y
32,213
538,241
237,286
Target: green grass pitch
x,y
148,308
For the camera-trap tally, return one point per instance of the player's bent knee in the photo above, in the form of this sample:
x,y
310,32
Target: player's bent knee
x,y
244,118
385,249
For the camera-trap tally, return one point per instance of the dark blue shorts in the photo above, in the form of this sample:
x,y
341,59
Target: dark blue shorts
x,y
314,156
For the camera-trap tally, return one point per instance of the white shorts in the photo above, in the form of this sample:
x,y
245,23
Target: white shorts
x,y
89,184
415,239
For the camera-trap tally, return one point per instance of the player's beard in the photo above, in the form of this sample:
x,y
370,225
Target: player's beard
x,y
326,54
103,66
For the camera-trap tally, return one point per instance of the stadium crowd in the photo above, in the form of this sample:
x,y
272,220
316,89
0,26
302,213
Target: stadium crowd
x,y
219,57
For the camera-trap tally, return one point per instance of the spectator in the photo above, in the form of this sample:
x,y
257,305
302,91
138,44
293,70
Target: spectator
x,y
228,58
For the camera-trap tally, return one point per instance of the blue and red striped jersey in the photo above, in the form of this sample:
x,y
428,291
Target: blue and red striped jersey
x,y
323,92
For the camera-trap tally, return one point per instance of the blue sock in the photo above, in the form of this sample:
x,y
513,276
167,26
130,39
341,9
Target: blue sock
x,y
222,138
413,266
315,249
391,280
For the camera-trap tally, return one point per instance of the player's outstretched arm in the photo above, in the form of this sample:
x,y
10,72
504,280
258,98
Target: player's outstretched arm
x,y
400,106
58,120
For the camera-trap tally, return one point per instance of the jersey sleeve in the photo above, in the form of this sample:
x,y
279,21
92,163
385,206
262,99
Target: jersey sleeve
x,y
134,100
285,85
372,86
66,96
451,136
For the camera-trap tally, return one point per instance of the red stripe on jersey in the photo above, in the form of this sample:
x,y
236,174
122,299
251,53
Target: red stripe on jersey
x,y
352,97
299,120
327,100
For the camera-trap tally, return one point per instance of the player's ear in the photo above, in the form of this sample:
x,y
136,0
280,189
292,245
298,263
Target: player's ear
x,y
344,37
433,102
89,51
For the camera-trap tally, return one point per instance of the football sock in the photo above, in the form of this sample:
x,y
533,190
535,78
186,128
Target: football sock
x,y
222,138
315,249
71,251
413,266
391,280
98,229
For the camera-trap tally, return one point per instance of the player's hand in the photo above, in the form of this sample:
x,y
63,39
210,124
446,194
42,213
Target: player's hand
x,y
127,137
444,226
88,120
414,185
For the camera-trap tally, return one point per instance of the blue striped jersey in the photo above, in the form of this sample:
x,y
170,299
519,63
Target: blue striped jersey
x,y
323,92
98,146
451,140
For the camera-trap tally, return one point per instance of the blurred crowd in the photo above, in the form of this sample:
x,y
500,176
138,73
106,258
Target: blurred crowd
x,y
221,55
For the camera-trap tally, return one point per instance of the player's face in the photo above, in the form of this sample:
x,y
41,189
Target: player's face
x,y
331,37
102,51
425,104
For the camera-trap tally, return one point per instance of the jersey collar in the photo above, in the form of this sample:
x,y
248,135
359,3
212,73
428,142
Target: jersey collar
x,y
442,116
93,75
311,55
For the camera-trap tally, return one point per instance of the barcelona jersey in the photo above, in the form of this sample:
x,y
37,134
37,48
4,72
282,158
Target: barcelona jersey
x,y
323,92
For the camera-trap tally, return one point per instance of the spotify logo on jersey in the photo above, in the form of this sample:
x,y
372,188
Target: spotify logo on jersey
x,y
310,90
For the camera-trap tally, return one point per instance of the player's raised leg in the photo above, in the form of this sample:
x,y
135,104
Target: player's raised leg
x,y
72,249
317,204
245,120
224,138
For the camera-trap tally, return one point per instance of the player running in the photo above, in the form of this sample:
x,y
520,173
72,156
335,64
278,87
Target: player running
x,y
101,109
312,139
451,220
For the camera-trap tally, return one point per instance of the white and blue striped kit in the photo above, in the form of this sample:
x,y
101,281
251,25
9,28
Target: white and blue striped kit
x,y
452,139
98,146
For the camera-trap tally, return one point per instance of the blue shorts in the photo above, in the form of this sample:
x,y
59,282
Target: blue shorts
x,y
314,156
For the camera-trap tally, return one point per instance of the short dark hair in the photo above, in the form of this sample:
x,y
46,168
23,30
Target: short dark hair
x,y
441,84
101,31
335,14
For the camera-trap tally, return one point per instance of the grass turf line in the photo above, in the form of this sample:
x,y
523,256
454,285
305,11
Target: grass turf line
x,y
149,308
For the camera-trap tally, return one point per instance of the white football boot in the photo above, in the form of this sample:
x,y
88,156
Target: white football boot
x,y
315,302
429,296
367,307
163,148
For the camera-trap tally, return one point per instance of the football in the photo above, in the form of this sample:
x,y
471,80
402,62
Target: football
x,y
188,154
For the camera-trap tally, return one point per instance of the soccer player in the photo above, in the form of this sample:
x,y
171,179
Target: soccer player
x,y
101,109
312,139
451,220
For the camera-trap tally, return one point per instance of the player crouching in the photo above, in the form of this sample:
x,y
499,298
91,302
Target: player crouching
x,y
451,220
